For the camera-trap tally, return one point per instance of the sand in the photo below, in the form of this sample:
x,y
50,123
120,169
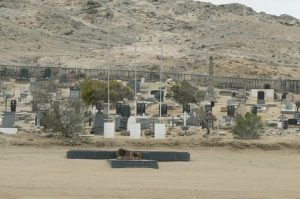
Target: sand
x,y
40,172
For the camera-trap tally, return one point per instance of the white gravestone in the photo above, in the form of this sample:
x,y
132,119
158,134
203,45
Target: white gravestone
x,y
135,131
131,121
185,117
159,131
109,130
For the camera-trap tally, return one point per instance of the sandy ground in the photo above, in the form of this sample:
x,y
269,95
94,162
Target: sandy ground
x,y
39,172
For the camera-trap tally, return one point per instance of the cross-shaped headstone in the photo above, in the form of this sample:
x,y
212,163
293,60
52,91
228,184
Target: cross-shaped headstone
x,y
185,117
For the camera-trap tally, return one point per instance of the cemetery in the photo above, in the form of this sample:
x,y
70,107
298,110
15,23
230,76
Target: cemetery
x,y
151,112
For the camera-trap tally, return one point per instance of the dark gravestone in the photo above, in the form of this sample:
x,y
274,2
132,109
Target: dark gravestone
x,y
119,108
126,111
98,128
292,121
212,104
116,163
233,94
121,123
260,97
9,119
230,111
47,73
186,108
24,73
140,108
285,124
164,109
267,86
13,105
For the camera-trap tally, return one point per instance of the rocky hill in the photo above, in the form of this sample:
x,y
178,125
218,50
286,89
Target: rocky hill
x,y
76,33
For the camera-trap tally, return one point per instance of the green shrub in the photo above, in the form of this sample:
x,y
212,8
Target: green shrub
x,y
247,127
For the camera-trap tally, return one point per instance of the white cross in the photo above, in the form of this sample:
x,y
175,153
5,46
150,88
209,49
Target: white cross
x,y
185,117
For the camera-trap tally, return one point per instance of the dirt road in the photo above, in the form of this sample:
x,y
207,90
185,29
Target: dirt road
x,y
30,172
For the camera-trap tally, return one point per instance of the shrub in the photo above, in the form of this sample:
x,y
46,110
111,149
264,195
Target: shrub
x,y
247,127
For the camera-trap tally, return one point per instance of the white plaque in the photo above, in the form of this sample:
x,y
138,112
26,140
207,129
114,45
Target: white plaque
x,y
160,131
109,130
135,131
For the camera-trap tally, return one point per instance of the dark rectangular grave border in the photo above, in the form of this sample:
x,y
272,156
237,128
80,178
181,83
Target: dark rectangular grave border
x,y
163,156
115,163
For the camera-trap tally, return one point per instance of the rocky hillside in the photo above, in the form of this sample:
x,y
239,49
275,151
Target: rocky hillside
x,y
76,33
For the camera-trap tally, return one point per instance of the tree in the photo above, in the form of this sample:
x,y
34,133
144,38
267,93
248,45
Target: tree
x,y
247,127
93,91
186,93
63,119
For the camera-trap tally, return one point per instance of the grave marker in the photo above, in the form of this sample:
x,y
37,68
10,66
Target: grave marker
x,y
184,116
135,131
9,119
159,131
109,130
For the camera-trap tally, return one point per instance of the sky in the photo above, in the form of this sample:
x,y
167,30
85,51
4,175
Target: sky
x,y
275,7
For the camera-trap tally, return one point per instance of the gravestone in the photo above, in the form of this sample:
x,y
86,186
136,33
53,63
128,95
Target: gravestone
x,y
290,105
292,121
285,124
192,120
135,131
131,120
126,111
47,73
24,74
185,116
121,123
8,120
13,105
231,111
119,108
109,130
164,109
267,86
159,131
186,108
261,97
140,108
98,124
145,122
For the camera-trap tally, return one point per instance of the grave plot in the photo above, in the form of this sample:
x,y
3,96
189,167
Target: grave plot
x,y
162,156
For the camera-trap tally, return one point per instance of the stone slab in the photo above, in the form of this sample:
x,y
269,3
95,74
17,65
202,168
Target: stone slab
x,y
162,156
115,163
